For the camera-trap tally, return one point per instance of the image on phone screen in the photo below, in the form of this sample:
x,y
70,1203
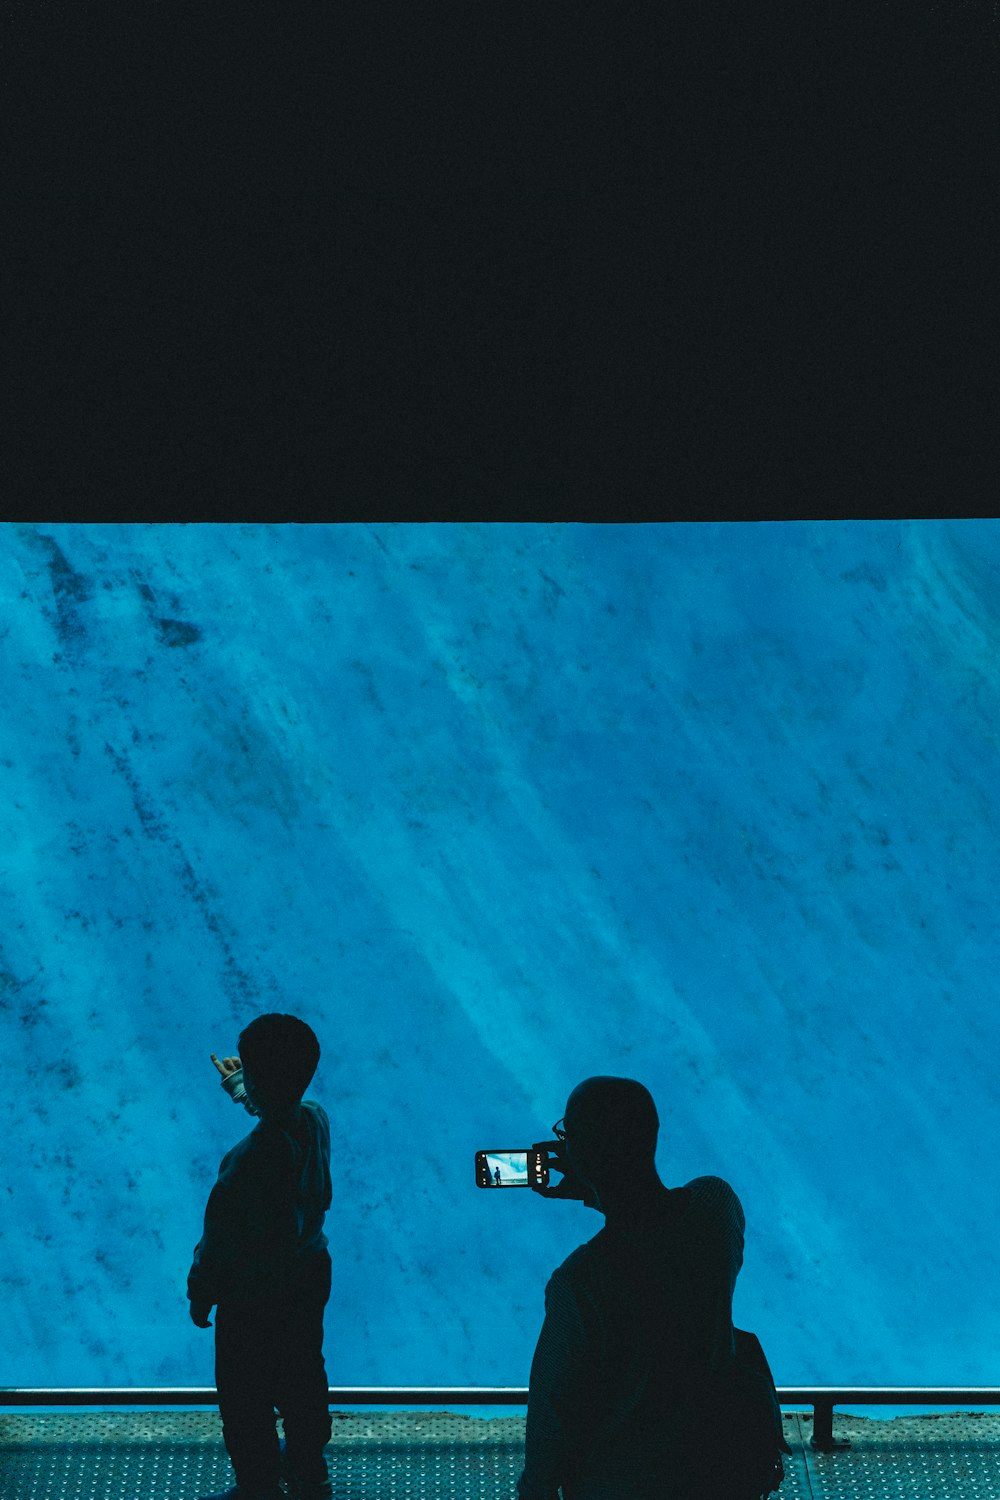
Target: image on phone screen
x,y
511,1169
507,1168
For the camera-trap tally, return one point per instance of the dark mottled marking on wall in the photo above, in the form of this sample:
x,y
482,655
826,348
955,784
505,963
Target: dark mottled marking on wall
x,y
66,581
865,574
78,840
551,594
32,1013
69,590
20,996
177,632
368,683
238,983
171,630
73,737
68,1074
874,833
152,826
10,987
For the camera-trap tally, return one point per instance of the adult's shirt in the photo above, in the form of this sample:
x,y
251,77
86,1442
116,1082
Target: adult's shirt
x,y
264,1217
638,1327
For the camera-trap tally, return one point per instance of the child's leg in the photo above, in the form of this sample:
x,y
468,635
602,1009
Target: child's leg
x,y
244,1378
302,1388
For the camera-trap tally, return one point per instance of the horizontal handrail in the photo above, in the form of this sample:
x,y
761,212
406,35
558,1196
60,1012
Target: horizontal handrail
x,y
343,1395
483,1395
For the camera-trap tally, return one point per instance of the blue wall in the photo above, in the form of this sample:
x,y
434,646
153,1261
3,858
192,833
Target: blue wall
x,y
495,808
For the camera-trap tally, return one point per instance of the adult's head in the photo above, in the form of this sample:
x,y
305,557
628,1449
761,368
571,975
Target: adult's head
x,y
611,1130
279,1054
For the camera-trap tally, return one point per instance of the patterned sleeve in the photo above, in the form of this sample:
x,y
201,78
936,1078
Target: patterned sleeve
x,y
717,1195
720,1203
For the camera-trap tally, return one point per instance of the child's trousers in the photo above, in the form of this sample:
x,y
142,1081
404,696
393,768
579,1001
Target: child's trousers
x,y
269,1353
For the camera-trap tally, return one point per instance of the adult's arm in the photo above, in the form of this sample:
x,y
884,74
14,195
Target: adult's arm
x,y
556,1384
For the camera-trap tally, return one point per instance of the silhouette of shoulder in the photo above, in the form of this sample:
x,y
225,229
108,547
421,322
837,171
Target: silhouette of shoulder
x,y
259,1145
714,1195
708,1201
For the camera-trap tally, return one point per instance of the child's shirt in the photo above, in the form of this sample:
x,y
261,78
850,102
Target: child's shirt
x,y
265,1214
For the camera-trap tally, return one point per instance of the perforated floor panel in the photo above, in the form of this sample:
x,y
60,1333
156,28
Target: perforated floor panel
x,y
437,1455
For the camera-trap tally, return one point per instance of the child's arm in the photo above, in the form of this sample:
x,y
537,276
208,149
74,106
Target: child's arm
x,y
232,1081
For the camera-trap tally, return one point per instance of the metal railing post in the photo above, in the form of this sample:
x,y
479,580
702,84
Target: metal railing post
x,y
822,1438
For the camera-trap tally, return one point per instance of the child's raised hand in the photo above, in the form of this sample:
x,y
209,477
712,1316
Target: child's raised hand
x,y
227,1065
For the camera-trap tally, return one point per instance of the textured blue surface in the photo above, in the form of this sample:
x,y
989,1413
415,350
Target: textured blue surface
x,y
496,808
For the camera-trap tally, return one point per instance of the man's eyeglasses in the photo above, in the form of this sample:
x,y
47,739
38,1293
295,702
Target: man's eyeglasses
x,y
558,1129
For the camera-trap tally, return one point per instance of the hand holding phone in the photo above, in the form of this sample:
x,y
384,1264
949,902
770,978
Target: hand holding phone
x,y
517,1167
570,1187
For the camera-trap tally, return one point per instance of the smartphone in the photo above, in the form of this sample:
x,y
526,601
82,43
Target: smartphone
x,y
512,1169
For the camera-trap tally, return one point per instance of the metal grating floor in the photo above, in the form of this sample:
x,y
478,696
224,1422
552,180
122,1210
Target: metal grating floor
x,y
438,1455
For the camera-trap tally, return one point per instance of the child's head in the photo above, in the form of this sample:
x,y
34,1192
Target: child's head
x,y
280,1053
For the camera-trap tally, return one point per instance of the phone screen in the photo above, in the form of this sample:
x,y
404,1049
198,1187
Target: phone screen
x,y
508,1169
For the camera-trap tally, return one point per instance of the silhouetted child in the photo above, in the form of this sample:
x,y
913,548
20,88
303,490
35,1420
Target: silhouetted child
x,y
263,1261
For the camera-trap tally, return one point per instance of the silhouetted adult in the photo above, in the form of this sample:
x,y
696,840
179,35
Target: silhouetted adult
x,y
638,1338
496,1176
